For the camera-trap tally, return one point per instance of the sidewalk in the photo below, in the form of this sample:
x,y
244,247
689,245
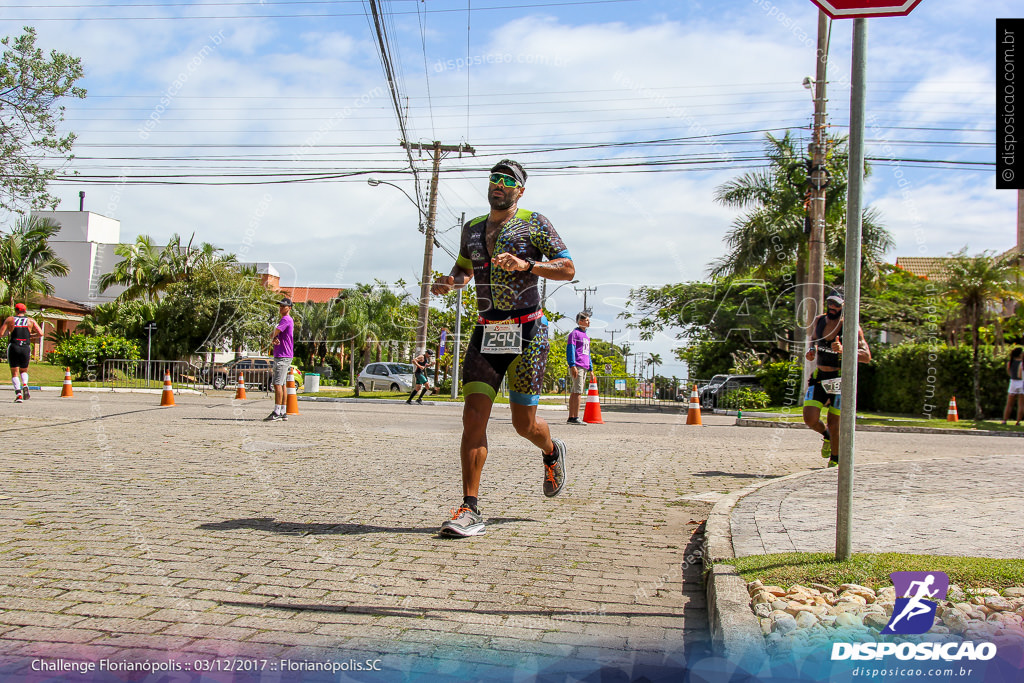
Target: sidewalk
x,y
961,506
966,506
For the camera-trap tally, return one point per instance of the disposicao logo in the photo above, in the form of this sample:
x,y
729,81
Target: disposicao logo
x,y
917,598
914,612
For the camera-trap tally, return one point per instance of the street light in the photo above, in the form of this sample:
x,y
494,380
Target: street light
x,y
373,182
428,252
544,290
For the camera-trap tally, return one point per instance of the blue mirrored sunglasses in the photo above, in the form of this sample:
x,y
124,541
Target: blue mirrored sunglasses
x,y
502,179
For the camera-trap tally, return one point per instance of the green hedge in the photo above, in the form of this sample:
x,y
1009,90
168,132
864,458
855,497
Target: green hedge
x,y
919,379
85,355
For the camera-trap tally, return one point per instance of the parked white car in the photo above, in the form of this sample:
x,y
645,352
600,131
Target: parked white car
x,y
386,377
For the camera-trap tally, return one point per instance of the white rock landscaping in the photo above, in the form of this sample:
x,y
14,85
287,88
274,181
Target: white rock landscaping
x,y
808,617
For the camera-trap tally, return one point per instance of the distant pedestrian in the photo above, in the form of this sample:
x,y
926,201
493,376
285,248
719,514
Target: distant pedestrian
x,y
19,349
577,354
283,346
1015,369
420,363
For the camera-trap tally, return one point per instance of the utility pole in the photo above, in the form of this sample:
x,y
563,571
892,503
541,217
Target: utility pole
x,y
458,332
813,290
613,333
585,290
436,152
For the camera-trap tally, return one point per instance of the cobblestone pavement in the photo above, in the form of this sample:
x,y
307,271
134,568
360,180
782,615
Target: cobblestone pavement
x,y
968,506
137,532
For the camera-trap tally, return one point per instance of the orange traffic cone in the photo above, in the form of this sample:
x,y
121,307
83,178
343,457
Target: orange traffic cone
x,y
167,398
292,402
240,391
592,411
951,415
693,415
67,391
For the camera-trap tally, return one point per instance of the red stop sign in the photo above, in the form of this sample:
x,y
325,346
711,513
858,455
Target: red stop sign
x,y
863,9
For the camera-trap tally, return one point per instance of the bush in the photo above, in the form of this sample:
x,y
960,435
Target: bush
x,y
85,355
744,399
920,379
781,381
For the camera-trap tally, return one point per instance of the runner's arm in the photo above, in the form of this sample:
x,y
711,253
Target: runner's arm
x,y
8,324
458,278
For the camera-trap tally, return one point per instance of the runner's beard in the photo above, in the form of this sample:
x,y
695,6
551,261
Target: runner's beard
x,y
501,204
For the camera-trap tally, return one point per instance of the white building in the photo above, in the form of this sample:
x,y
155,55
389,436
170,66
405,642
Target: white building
x,y
86,241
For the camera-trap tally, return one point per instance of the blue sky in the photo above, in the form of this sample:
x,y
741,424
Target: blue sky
x,y
267,92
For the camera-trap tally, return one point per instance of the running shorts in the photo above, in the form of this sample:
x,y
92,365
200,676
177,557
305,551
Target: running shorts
x,y
482,372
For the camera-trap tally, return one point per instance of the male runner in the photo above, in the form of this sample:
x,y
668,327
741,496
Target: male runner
x,y
19,349
420,363
283,345
577,354
503,252
826,348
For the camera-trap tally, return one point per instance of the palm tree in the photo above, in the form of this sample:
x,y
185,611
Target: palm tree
x,y
147,270
27,259
317,328
141,271
980,285
771,234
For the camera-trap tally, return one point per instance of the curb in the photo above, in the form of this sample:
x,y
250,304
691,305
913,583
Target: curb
x,y
397,401
735,631
744,422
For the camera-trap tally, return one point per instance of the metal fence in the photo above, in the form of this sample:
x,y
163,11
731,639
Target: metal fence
x,y
118,373
627,390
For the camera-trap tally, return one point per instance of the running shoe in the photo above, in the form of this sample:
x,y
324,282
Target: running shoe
x,y
273,417
575,421
17,397
464,522
25,392
554,474
826,448
832,462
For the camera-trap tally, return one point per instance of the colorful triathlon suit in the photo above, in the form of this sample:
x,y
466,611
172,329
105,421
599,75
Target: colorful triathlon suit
x,y
510,298
19,348
824,355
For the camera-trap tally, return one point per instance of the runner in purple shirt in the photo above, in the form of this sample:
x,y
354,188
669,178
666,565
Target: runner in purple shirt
x,y
283,345
577,354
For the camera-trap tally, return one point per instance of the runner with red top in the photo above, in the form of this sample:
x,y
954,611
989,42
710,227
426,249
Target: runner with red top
x,y
19,349
504,253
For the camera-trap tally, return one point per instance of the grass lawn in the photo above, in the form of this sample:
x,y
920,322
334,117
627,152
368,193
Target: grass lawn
x,y
873,570
794,414
44,374
348,392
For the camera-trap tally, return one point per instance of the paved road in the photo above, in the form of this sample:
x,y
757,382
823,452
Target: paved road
x,y
138,532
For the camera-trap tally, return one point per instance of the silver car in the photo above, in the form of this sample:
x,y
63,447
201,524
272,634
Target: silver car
x,y
386,377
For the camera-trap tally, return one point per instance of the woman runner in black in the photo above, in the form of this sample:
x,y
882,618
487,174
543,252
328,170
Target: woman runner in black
x,y
19,349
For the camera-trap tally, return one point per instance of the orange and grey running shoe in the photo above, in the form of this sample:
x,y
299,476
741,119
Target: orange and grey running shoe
x,y
554,474
464,522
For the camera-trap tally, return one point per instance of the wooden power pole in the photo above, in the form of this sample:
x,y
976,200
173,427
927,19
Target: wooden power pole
x,y
436,151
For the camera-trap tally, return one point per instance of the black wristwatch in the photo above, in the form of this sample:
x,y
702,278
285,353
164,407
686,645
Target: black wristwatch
x,y
532,264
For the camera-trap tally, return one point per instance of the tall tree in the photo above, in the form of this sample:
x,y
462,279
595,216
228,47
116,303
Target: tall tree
x,y
771,235
31,87
146,270
980,285
141,271
27,259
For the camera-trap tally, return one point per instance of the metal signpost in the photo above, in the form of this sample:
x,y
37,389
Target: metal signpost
x,y
859,11
149,327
